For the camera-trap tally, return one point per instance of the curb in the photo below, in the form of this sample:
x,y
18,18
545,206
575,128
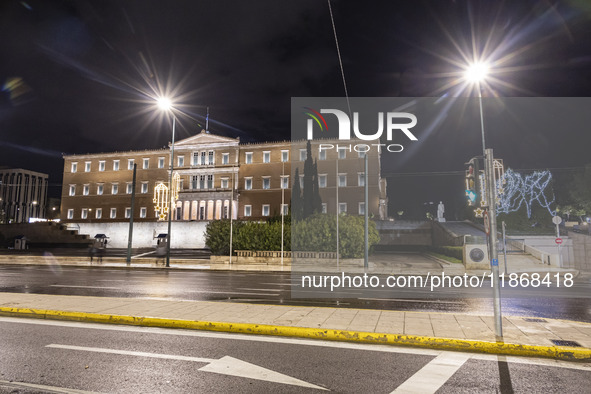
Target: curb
x,y
464,345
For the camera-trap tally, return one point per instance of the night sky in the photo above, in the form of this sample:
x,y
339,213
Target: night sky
x,y
80,76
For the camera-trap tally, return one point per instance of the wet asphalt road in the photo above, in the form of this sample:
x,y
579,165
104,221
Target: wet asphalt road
x,y
56,355
275,288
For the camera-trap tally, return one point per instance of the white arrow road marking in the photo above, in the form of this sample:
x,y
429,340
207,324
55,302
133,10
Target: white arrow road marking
x,y
225,365
232,366
433,375
43,387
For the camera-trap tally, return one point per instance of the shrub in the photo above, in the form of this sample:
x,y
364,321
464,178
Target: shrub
x,y
318,234
246,236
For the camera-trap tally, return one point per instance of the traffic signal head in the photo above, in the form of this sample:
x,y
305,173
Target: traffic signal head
x,y
473,181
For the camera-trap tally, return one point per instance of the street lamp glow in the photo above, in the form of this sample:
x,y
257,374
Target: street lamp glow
x,y
476,72
164,103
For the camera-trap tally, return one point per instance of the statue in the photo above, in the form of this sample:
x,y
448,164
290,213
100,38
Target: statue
x,y
440,211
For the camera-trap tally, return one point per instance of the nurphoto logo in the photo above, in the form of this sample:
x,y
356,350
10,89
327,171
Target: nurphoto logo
x,y
395,121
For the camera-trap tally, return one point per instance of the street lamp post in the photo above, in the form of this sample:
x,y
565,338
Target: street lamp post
x,y
477,73
166,105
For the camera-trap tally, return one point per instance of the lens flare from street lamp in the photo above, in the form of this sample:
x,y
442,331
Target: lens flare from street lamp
x,y
164,103
477,72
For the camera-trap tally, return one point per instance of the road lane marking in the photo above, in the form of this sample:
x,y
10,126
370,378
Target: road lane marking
x,y
295,341
143,254
87,287
225,366
406,300
51,389
132,353
433,375
229,293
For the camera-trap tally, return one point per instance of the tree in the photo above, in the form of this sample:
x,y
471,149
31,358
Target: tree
x,y
580,190
312,203
297,208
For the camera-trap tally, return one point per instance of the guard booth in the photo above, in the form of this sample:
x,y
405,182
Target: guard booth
x,y
20,242
161,240
100,241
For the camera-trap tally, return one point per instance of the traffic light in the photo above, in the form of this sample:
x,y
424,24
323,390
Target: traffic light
x,y
473,181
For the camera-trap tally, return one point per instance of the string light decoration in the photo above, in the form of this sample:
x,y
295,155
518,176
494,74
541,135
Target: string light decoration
x,y
517,191
161,196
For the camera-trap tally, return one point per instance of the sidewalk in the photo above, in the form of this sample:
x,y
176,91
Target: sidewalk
x,y
445,331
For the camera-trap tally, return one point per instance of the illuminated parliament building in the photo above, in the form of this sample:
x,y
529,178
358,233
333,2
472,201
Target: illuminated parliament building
x,y
214,177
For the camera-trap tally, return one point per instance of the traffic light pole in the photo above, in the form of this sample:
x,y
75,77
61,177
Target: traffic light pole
x,y
492,210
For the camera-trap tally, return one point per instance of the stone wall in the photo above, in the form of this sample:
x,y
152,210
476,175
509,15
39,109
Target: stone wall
x,y
402,232
190,235
581,251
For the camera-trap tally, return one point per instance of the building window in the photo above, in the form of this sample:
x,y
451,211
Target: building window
x,y
248,158
266,157
127,213
285,181
247,183
74,167
342,207
128,188
98,213
302,181
322,154
247,210
322,180
114,188
224,184
102,165
362,208
143,212
86,190
115,165
84,213
225,158
361,179
130,164
87,166
203,157
113,213
285,209
284,155
342,180
266,183
99,189
342,153
181,161
161,162
210,181
145,164
266,209
144,187
324,208
72,190
303,154
210,158
70,214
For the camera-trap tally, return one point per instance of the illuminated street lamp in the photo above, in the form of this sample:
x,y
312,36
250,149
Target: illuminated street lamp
x,y
476,73
165,105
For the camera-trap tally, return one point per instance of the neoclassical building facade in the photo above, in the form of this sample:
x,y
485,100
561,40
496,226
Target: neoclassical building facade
x,y
215,177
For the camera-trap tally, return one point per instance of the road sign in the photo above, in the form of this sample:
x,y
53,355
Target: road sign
x,y
557,220
486,223
558,241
